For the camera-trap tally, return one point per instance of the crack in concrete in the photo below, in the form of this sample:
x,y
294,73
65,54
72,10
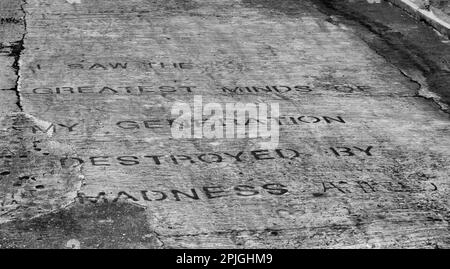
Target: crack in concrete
x,y
16,52
418,94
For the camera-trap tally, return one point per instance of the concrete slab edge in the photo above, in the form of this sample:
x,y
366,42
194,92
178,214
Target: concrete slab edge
x,y
429,17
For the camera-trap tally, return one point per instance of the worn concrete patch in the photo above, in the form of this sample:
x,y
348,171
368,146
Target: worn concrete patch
x,y
88,225
32,182
415,48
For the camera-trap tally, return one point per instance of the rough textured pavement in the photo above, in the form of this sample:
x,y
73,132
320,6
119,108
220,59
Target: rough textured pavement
x,y
87,157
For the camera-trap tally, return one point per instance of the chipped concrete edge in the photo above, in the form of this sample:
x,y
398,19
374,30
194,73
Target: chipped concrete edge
x,y
419,13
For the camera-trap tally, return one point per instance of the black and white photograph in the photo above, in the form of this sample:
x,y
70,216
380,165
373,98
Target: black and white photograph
x,y
245,125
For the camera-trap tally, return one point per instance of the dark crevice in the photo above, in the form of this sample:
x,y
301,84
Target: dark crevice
x,y
16,50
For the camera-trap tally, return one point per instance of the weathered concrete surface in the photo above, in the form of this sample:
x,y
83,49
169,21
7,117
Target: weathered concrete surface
x,y
414,48
439,7
435,12
365,162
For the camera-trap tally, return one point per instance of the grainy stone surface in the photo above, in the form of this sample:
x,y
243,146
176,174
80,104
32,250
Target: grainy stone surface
x,y
363,159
